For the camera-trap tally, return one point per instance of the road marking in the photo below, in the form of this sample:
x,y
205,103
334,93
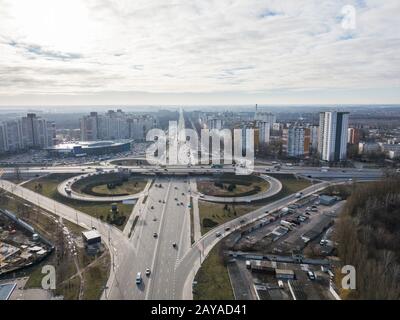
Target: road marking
x,y
159,238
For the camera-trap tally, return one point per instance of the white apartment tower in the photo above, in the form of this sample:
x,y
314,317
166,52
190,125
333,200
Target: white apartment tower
x,y
90,127
332,144
115,125
296,141
26,132
264,131
214,123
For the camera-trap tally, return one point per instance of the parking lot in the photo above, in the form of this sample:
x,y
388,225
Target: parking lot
x,y
270,261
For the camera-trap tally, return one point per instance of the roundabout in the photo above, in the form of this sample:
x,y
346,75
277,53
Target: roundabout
x,y
104,187
255,194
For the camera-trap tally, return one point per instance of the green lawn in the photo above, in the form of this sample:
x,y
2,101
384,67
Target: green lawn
x,y
212,279
129,187
290,184
95,278
244,185
99,210
98,185
214,214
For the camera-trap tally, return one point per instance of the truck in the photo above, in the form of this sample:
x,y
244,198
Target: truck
x,y
286,224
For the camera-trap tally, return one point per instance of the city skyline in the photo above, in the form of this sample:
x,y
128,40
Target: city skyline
x,y
268,52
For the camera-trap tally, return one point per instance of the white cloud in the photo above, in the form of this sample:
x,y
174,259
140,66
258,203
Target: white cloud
x,y
204,46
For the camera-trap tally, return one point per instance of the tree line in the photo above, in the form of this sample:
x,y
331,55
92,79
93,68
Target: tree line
x,y
368,233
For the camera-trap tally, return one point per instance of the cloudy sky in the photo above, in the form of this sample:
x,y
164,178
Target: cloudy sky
x,y
199,51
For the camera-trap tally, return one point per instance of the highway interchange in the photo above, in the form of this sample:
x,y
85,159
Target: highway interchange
x,y
164,218
172,269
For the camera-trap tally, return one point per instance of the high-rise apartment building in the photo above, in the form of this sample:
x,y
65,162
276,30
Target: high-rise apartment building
x,y
90,127
214,123
264,131
27,132
353,135
332,144
296,141
314,134
116,125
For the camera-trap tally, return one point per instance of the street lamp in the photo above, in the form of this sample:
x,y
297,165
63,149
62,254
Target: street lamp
x,y
105,291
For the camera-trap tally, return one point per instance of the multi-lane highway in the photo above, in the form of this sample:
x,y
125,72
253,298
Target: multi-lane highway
x,y
164,211
161,223
310,172
161,218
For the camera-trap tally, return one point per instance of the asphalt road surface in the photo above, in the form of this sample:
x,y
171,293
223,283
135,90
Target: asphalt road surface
x,y
172,269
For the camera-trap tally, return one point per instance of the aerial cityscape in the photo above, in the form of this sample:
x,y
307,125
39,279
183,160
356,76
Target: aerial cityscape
x,y
160,152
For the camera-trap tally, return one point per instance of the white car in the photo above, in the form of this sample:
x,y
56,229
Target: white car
x,y
139,278
311,275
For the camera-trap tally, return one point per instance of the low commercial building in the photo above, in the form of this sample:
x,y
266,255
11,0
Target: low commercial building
x,y
277,233
84,148
392,150
263,266
309,236
327,200
91,237
368,147
284,274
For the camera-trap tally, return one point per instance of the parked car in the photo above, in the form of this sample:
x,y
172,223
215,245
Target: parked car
x,y
311,275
